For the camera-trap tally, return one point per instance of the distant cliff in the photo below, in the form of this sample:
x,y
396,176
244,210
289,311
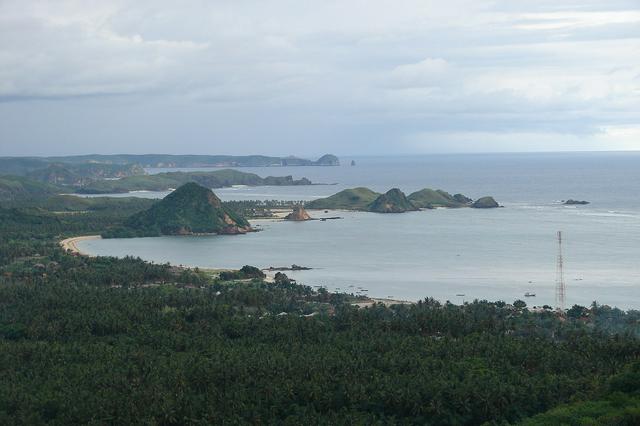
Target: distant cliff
x,y
23,165
190,209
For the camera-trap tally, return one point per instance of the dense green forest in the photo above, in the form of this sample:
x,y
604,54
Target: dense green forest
x,y
123,341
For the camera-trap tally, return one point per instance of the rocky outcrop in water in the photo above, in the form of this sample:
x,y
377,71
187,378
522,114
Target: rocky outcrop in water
x,y
485,203
298,214
571,202
393,201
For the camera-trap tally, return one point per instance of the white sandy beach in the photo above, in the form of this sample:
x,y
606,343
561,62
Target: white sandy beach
x,y
69,244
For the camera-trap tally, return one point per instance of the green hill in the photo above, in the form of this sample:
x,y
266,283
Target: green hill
x,y
393,201
428,198
327,160
349,199
18,188
485,203
190,209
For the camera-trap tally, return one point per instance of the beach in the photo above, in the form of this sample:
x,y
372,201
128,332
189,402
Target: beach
x,y
70,244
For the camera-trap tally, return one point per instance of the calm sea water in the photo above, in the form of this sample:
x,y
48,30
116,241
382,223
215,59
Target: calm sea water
x,y
485,254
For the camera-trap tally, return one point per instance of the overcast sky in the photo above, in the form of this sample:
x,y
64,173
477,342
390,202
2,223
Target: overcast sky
x,y
309,77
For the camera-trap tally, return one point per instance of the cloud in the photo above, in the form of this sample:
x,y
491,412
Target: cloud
x,y
349,76
429,72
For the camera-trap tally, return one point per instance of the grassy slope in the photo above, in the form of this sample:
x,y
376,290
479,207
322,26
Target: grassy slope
x,y
428,198
393,201
349,199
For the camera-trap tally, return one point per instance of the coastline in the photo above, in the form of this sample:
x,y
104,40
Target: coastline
x,y
386,302
70,244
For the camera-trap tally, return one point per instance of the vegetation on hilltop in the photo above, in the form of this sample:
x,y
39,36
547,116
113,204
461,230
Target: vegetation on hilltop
x,y
348,199
393,201
364,199
428,198
190,209
14,188
485,203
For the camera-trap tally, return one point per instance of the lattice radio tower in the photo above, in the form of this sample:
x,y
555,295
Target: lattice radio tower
x,y
560,286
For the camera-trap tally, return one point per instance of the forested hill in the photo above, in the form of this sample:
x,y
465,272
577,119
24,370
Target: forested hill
x,y
190,209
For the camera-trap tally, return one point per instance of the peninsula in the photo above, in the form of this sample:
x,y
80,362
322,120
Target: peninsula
x,y
119,165
166,181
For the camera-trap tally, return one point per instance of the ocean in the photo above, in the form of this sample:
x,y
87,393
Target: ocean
x,y
448,254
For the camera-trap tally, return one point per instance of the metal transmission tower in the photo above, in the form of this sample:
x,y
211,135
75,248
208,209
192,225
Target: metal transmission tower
x,y
560,286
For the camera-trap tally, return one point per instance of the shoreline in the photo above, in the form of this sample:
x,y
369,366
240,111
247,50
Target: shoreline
x,y
70,244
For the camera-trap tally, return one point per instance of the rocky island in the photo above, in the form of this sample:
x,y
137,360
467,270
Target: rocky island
x,y
298,214
571,202
395,201
485,203
348,199
190,209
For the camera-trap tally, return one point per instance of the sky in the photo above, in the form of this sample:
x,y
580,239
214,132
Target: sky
x,y
309,77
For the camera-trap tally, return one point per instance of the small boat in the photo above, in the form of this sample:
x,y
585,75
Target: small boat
x,y
527,294
460,294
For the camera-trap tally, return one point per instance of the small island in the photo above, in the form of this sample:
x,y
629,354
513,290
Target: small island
x,y
571,202
395,201
189,210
